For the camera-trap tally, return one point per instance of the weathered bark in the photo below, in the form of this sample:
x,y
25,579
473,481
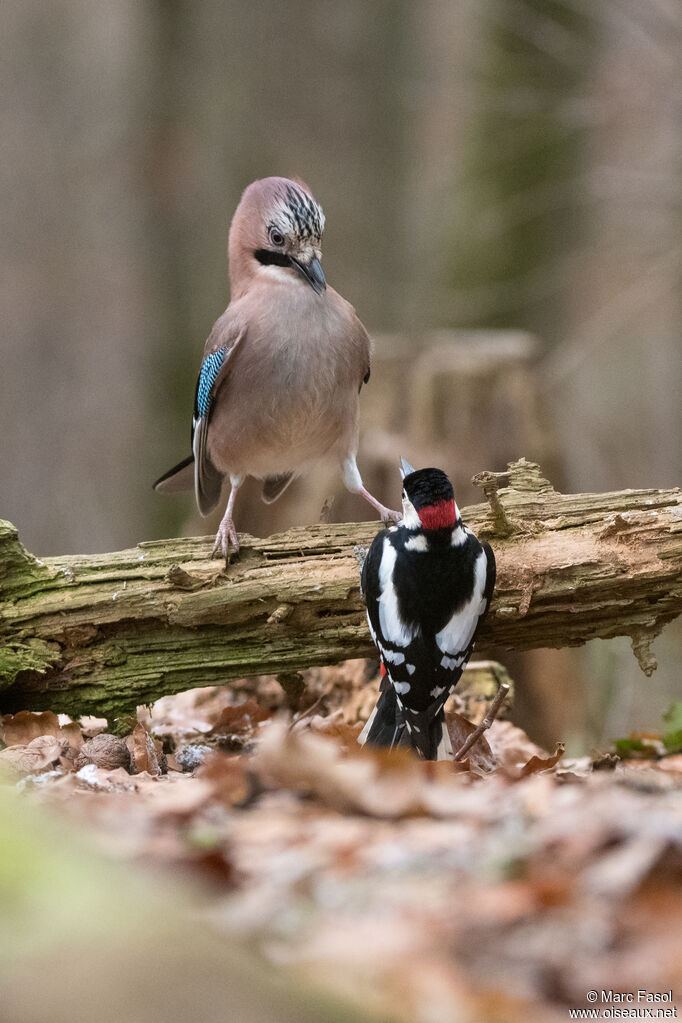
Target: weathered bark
x,y
102,633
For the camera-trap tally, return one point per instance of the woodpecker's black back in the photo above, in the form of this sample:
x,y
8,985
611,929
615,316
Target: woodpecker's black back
x,y
427,590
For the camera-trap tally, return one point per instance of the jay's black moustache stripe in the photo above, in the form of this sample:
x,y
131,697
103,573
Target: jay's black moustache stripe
x,y
269,258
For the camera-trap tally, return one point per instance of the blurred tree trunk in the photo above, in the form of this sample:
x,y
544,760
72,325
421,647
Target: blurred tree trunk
x,y
614,385
77,302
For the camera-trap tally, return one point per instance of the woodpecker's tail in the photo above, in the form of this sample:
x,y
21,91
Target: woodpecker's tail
x,y
391,725
427,732
383,727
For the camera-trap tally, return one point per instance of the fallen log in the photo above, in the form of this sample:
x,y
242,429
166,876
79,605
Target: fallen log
x,y
102,633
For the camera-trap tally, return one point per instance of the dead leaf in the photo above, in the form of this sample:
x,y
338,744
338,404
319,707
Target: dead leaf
x,y
543,763
26,725
240,719
91,726
143,751
672,763
190,713
69,758
37,755
335,727
231,779
481,758
377,782
102,780
511,745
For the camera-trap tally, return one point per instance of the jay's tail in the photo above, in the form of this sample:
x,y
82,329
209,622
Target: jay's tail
x,y
274,486
183,477
180,477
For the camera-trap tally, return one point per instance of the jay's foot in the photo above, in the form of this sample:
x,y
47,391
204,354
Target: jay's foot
x,y
389,516
385,514
225,536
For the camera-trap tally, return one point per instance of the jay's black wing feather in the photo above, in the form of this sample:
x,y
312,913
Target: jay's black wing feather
x,y
198,470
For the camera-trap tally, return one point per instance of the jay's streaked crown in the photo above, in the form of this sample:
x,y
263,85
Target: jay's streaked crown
x,y
278,224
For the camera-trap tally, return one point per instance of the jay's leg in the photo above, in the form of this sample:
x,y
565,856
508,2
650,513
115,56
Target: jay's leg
x,y
227,534
353,481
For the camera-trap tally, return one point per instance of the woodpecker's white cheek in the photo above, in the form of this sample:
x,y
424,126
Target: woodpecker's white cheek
x,y
459,536
411,519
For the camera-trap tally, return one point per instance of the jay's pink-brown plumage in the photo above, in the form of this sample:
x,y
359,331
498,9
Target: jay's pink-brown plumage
x,y
283,366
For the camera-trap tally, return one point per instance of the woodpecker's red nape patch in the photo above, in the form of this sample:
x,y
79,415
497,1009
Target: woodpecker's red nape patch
x,y
438,516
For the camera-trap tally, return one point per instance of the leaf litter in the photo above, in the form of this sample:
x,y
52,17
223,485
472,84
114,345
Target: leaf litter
x,y
503,887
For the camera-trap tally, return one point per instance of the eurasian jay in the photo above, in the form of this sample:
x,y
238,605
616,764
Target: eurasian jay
x,y
283,366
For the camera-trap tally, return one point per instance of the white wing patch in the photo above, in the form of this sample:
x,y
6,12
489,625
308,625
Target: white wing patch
x,y
401,687
459,536
392,626
458,633
417,543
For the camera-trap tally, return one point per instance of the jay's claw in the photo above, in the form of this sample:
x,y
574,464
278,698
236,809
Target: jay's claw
x,y
385,514
390,516
225,536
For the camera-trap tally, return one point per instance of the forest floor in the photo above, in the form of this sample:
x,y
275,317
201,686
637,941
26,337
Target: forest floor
x,y
505,888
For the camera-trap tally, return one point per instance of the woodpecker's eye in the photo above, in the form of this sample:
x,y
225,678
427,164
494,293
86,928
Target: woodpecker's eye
x,y
275,237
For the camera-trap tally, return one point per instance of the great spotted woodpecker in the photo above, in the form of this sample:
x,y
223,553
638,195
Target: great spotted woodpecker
x,y
427,583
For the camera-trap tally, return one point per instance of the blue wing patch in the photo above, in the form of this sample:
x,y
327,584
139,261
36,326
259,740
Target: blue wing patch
x,y
210,368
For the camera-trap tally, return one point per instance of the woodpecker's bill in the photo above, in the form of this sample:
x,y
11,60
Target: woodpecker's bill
x,y
427,583
283,366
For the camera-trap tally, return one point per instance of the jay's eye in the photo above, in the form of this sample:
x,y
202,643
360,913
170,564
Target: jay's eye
x,y
276,238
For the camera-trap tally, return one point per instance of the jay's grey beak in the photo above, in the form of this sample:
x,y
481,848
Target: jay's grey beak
x,y
312,272
405,468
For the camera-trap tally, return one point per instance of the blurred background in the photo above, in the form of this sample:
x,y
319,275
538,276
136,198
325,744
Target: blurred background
x,y
501,180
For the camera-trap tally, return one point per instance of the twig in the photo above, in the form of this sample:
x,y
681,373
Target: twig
x,y
487,721
301,715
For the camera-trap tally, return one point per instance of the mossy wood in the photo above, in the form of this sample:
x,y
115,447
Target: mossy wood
x,y
102,633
